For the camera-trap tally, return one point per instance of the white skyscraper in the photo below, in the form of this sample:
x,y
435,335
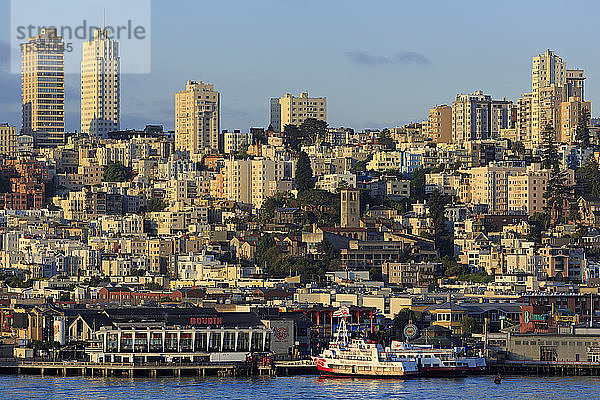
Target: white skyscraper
x,y
100,86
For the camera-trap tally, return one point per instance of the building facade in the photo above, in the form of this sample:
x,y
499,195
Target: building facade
x,y
100,86
197,118
291,110
43,87
8,140
477,117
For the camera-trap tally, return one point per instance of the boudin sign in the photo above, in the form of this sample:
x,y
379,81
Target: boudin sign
x,y
206,321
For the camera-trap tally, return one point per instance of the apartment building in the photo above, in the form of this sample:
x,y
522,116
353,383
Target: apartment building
x,y
234,141
100,86
526,190
8,142
523,123
252,181
292,110
489,185
570,113
44,88
197,119
439,124
477,117
551,84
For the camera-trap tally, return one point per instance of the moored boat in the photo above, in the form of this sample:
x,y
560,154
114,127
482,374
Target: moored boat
x,y
440,362
357,357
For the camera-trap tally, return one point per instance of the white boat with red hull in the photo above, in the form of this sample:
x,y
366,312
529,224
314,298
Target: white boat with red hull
x,y
360,358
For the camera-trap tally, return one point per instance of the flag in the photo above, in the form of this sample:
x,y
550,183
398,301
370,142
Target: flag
x,y
342,312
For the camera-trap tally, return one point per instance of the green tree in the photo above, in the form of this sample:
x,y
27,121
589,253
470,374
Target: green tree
x,y
321,206
549,148
417,184
437,207
292,137
469,325
360,166
330,256
452,268
590,178
375,274
155,204
582,133
313,130
304,173
267,210
518,148
290,265
242,152
538,223
266,250
385,140
117,172
558,195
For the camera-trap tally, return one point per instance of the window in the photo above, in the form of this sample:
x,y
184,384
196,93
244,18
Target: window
x,y
243,341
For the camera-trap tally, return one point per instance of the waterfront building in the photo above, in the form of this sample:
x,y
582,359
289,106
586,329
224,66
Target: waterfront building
x,y
178,335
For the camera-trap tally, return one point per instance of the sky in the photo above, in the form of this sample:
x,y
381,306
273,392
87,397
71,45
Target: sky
x,y
380,63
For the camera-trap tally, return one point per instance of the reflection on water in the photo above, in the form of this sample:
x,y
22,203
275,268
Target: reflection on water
x,y
300,388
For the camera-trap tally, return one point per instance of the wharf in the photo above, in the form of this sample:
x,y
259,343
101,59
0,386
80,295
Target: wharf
x,y
152,370
298,367
564,368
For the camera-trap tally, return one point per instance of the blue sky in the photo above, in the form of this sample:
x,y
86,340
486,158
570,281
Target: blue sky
x,y
380,63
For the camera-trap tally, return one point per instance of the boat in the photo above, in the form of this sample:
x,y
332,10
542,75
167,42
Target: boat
x,y
361,358
440,362
358,357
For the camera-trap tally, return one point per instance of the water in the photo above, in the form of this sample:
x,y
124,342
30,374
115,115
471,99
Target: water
x,y
299,388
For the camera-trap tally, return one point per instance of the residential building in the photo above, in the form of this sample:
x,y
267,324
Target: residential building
x,y
234,141
477,117
197,119
8,140
100,85
44,88
570,113
291,110
489,185
523,124
526,190
439,124
252,181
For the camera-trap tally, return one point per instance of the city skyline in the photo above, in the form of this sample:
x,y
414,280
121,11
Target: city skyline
x,y
401,78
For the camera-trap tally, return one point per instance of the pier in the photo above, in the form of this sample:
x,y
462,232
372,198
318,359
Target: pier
x,y
151,370
561,368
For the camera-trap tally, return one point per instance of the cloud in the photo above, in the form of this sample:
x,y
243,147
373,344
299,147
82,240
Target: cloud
x,y
404,57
